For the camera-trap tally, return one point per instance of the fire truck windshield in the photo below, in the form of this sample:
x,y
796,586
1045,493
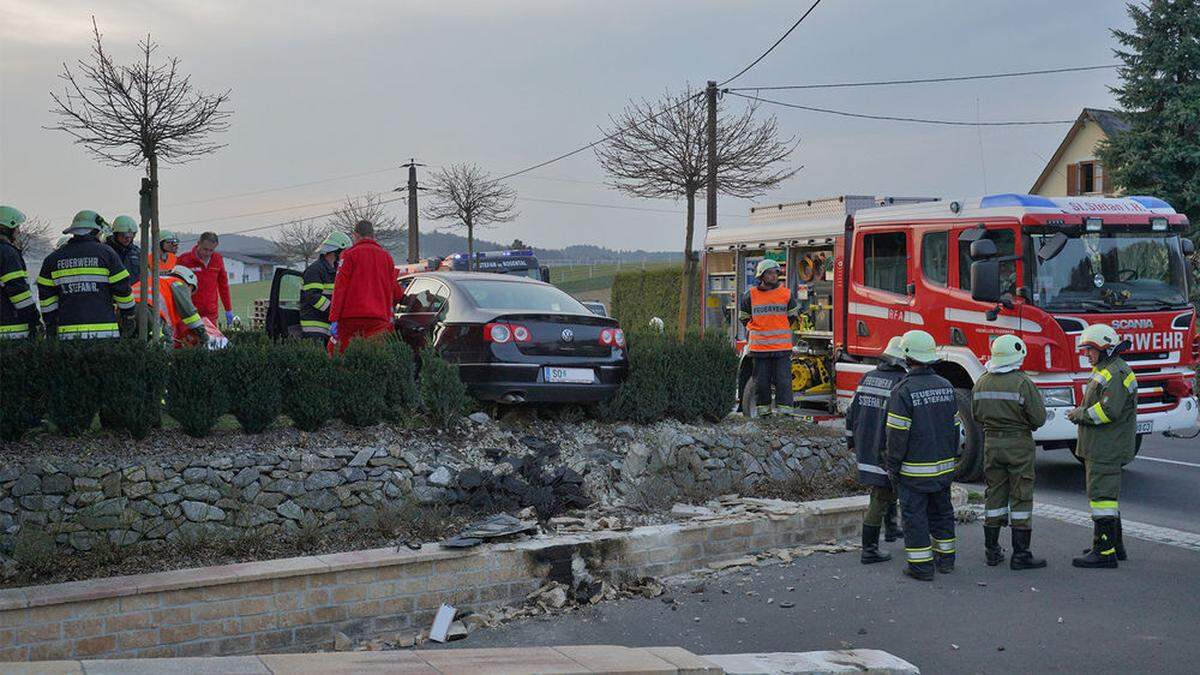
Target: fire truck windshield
x,y
1111,271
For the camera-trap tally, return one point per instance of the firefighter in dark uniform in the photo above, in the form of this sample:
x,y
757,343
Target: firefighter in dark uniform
x,y
922,451
18,315
83,284
1107,421
1009,407
317,291
866,435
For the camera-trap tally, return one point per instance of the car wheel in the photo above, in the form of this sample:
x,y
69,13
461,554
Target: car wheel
x,y
1073,446
970,440
749,398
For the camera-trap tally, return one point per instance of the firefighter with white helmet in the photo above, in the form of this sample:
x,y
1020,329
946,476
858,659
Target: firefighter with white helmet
x,y
922,452
866,434
1009,407
124,230
178,314
18,314
1107,420
316,294
767,310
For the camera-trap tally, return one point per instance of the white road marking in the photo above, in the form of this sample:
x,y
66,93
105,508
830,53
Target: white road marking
x,y
1169,461
1154,533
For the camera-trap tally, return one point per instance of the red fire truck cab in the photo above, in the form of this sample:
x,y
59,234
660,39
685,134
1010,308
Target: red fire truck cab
x,y
865,269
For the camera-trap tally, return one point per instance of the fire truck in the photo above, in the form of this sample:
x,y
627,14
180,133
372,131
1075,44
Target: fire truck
x,y
867,268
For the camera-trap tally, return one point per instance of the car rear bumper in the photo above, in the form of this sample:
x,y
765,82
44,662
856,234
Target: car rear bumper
x,y
523,383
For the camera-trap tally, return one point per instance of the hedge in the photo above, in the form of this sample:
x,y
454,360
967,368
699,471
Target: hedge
x,y
688,381
641,295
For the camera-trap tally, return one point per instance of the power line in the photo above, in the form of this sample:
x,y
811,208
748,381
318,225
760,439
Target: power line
x,y
891,118
260,228
284,187
772,47
926,80
609,206
281,209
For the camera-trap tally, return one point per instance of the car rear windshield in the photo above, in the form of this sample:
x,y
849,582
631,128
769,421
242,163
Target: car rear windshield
x,y
510,295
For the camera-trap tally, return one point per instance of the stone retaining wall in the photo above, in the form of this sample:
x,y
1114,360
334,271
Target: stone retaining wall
x,y
299,603
85,497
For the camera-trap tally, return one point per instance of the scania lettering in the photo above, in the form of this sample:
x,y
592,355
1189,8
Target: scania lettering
x,y
867,268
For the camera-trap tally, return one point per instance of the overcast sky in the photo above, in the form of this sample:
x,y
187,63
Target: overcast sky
x,y
325,89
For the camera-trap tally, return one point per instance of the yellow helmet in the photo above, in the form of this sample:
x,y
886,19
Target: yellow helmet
x,y
1008,350
919,346
1101,336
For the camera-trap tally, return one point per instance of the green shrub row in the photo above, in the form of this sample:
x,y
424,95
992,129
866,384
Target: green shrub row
x,y
687,380
641,295
130,383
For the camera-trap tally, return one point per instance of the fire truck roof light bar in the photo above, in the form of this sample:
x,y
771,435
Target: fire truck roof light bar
x,y
1014,199
1151,202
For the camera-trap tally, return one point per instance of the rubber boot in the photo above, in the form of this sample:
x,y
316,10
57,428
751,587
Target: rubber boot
x,y
870,546
1103,553
1022,559
1120,542
943,563
918,573
891,527
991,545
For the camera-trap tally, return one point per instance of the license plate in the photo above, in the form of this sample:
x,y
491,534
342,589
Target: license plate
x,y
569,375
1146,427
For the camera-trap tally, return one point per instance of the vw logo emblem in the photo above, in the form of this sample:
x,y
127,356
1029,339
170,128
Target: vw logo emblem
x,y
568,335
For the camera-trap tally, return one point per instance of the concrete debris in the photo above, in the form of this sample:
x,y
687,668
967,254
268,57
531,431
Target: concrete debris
x,y
733,562
691,511
441,623
457,631
342,642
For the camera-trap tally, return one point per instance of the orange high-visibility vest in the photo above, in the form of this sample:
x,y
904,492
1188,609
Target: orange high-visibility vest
x,y
769,329
164,268
166,307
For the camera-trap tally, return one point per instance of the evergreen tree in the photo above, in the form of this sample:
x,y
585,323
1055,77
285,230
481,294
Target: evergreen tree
x,y
1160,95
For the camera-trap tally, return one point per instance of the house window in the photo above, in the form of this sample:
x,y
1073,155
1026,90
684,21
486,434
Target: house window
x,y
935,257
885,261
1085,178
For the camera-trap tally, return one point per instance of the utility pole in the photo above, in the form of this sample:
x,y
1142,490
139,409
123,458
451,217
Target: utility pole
x,y
414,234
711,95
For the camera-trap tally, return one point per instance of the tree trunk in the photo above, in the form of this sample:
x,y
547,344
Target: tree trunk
x,y
470,244
686,296
143,310
155,330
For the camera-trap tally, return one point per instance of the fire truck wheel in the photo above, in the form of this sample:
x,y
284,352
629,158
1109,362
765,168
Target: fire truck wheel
x,y
970,462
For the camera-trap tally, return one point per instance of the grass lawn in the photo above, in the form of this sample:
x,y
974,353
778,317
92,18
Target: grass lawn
x,y
243,296
581,278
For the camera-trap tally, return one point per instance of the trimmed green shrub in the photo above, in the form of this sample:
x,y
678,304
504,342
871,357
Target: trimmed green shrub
x,y
196,393
134,392
308,397
443,394
76,380
402,394
646,394
638,296
22,387
717,384
254,376
692,380
361,382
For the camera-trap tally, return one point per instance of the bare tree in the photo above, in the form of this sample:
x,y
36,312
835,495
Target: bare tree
x,y
468,195
35,238
136,115
657,151
389,232
299,240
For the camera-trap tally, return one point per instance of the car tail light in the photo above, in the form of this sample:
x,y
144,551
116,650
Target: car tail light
x,y
499,333
612,337
502,333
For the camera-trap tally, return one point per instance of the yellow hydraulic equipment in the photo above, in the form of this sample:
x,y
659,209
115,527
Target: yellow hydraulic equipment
x,y
810,375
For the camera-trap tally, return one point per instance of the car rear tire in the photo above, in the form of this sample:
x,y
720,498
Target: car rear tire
x,y
749,398
970,460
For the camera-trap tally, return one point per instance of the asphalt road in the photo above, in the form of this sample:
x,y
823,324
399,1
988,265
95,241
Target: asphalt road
x,y
1161,487
1142,617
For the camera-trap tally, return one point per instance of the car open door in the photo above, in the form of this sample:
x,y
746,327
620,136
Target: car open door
x,y
283,311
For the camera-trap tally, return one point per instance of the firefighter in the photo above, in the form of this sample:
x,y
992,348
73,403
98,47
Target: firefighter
x,y
1107,420
922,450
767,310
164,255
178,313
124,230
18,315
317,291
1009,407
866,435
80,283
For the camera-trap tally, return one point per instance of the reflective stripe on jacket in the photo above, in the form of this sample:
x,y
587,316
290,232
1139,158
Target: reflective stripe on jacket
x,y
922,430
1009,405
175,306
316,297
1108,417
18,309
866,430
769,329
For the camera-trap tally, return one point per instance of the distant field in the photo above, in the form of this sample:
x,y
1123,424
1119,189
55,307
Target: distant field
x,y
592,281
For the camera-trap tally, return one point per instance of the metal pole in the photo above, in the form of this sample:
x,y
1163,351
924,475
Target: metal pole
x,y
414,238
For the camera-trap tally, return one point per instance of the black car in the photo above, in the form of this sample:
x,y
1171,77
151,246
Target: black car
x,y
514,339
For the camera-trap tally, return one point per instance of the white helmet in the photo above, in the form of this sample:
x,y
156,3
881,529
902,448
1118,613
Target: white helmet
x,y
188,276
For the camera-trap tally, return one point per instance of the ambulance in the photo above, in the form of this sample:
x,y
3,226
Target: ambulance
x,y
867,268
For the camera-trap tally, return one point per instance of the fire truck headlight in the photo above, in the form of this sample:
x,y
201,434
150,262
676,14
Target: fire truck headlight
x,y
1058,397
